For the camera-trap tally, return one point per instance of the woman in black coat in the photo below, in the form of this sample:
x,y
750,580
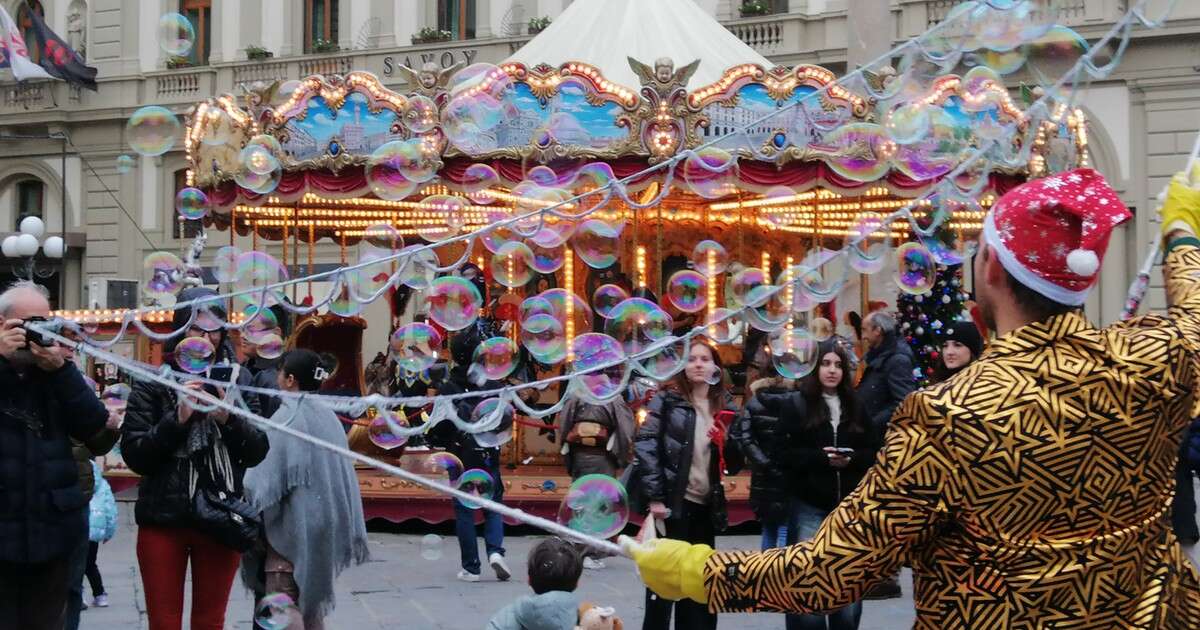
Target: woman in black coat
x,y
171,445
677,454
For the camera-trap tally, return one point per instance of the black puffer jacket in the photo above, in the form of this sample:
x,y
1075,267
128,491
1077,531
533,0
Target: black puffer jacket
x,y
814,480
43,512
760,434
886,381
263,374
663,455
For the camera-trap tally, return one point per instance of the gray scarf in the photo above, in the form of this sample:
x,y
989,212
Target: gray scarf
x,y
312,510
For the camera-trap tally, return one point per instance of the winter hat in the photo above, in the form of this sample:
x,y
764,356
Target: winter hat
x,y
964,331
1051,233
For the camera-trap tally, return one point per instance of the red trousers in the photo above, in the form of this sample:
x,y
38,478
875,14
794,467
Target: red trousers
x,y
163,555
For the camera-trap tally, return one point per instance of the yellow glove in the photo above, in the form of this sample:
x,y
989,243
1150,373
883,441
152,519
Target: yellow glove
x,y
1181,208
671,568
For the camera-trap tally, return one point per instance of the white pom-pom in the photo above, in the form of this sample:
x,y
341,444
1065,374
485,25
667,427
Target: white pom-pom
x,y
1083,262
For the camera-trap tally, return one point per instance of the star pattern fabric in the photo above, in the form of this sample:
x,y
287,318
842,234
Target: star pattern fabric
x,y
1032,490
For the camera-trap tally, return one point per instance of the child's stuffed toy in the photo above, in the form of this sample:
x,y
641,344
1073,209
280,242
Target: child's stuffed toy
x,y
593,617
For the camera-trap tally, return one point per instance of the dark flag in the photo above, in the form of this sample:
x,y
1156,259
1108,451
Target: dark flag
x,y
58,59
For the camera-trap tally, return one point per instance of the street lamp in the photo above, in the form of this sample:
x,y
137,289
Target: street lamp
x,y
25,245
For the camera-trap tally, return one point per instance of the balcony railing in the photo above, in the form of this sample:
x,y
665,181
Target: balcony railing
x,y
28,97
1070,12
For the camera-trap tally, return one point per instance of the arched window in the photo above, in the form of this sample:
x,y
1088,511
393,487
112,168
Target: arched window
x,y
31,200
199,13
458,17
25,23
320,24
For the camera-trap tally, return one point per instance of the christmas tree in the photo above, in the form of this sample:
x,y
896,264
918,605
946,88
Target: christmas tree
x,y
925,318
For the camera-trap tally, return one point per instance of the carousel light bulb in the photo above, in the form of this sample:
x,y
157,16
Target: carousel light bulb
x,y
569,285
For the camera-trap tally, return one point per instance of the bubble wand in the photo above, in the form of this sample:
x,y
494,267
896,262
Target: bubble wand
x,y
1137,289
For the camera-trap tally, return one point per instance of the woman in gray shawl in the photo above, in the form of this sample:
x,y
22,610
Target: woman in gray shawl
x,y
311,507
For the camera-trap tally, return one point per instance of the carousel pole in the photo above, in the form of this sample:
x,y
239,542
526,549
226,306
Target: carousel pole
x,y
296,246
569,285
232,223
311,245
658,253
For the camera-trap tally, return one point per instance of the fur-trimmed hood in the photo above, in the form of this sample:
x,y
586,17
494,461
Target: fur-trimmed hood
x,y
775,382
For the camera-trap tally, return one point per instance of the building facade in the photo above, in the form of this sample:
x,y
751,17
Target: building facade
x,y
59,146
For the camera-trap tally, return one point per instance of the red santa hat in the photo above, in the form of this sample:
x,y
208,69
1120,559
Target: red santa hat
x,y
1051,233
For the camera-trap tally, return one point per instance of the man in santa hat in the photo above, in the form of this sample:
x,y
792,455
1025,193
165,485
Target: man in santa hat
x,y
1033,488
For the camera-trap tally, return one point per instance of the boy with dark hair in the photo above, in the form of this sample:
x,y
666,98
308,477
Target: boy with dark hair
x,y
554,568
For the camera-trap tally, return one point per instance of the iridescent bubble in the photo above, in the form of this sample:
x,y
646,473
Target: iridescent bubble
x,y
442,463
1054,53
596,505
258,159
259,322
546,259
596,243
711,173
710,258
454,303
152,130
261,184
637,323
581,313
512,265
867,239
275,612
981,85
256,270
431,547
414,346
376,251
687,290
590,351
384,176
379,430
497,415
496,357
542,175
163,274
194,354
115,396
860,151
720,326
667,361
216,127
191,203
543,336
907,123
270,346
444,217
409,158
937,152
916,269
475,107
420,270
476,482
343,303
607,297
478,180
225,263
420,113
535,305
794,353
125,164
749,287
175,34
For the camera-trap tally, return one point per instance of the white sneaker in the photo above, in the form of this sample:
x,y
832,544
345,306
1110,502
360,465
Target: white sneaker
x,y
498,565
593,563
467,576
101,601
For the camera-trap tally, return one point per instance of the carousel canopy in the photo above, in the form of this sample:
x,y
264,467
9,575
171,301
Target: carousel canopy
x,y
646,31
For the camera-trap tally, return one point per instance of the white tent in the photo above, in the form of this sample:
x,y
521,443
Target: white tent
x,y
604,32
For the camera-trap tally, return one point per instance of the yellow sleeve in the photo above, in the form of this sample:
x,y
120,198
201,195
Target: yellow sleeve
x,y
865,540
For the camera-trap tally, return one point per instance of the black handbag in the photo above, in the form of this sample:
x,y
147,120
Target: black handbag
x,y
225,516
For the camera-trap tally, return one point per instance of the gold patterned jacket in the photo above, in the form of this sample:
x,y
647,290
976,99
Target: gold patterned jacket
x,y
1032,490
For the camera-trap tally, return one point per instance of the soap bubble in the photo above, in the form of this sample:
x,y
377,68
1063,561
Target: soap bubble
x,y
477,180
707,252
420,113
749,287
175,34
915,269
667,361
115,396
275,612
476,482
535,305
867,256
225,263
383,172
497,415
907,123
637,323
419,272
431,547
720,327
194,354
125,164
380,433
258,159
256,270
454,303
152,130
444,217
606,297
442,463
687,290
496,358
595,384
596,243
343,303
414,346
1054,53
711,172
410,159
262,184
163,273
259,322
475,107
938,151
581,314
215,127
596,505
543,336
191,203
794,353
270,346
512,265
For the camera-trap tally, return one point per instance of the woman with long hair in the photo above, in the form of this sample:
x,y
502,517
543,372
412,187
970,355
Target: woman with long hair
x,y
678,451
311,507
831,445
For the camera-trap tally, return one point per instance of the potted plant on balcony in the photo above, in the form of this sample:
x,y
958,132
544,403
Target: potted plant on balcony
x,y
429,34
538,24
752,8
324,46
258,53
176,61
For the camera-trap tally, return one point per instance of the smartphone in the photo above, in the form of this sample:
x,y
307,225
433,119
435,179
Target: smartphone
x,y
724,417
842,450
222,373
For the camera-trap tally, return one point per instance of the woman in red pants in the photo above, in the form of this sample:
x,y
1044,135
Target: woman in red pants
x,y
170,445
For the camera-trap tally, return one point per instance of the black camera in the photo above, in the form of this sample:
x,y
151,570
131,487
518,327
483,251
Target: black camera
x,y
54,325
223,373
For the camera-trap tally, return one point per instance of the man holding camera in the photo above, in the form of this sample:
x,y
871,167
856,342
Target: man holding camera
x,y
44,402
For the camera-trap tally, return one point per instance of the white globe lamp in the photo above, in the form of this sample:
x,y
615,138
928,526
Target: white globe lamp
x,y
27,244
33,226
54,247
9,246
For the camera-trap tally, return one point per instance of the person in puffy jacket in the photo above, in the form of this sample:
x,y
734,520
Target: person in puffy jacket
x,y
167,442
888,377
102,526
554,567
677,451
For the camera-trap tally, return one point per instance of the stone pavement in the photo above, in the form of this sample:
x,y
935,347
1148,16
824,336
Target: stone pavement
x,y
400,589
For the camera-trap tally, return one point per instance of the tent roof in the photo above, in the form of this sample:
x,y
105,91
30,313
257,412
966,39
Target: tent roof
x,y
604,32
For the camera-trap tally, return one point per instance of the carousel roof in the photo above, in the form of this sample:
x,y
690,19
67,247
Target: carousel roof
x,y
605,33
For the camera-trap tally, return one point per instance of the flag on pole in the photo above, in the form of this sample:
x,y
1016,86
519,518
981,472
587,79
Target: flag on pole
x,y
59,59
13,53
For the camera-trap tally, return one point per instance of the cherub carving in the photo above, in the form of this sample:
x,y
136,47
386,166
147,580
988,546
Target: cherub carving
x,y
665,105
663,78
430,80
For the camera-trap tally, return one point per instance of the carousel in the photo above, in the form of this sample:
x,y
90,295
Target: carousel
x,y
782,164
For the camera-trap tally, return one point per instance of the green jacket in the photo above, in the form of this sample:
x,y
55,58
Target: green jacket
x,y
83,452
